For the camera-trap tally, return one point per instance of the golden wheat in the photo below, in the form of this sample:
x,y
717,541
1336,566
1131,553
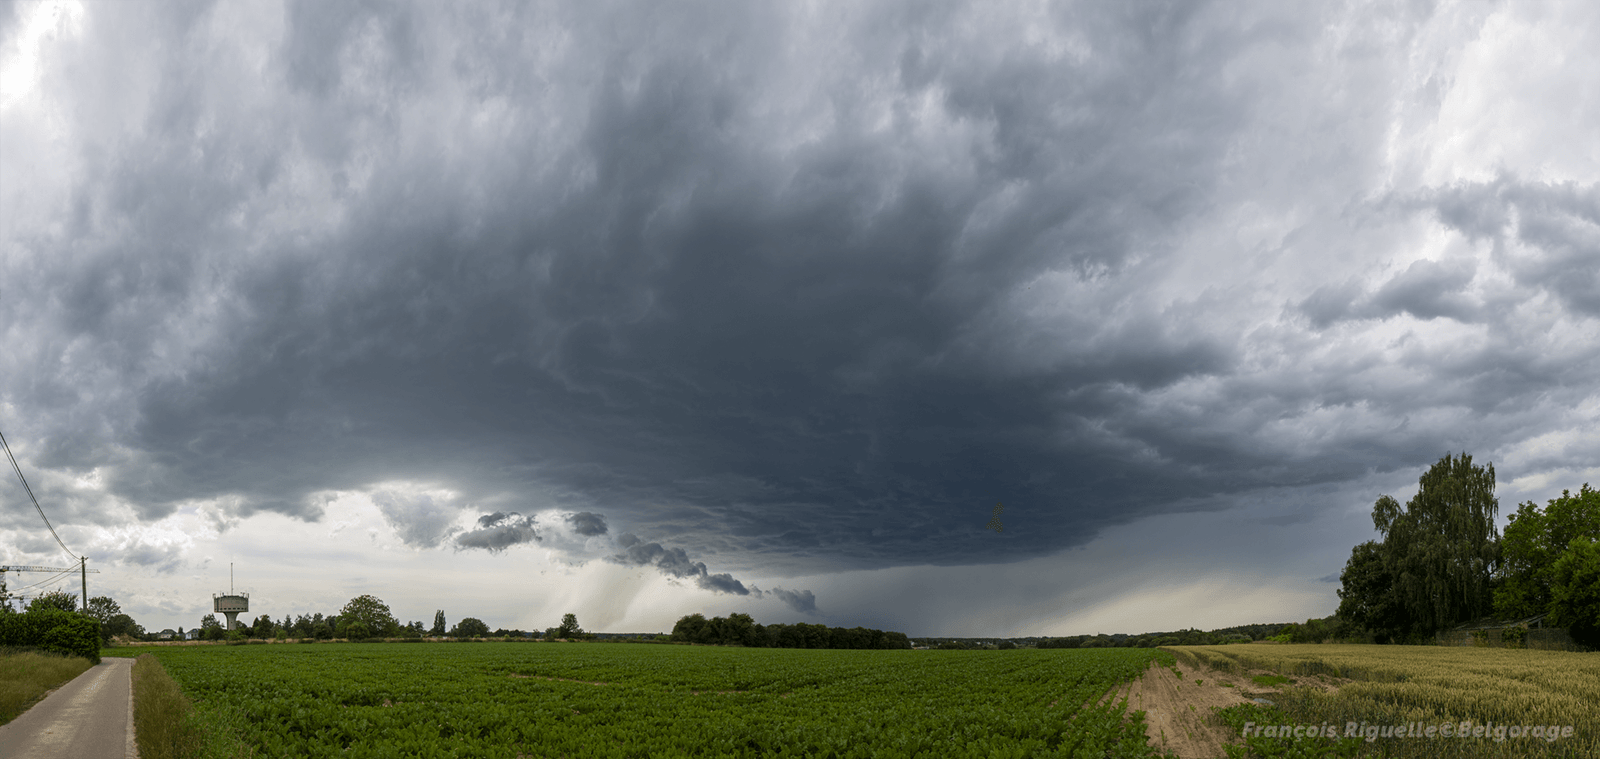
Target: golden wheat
x,y
1433,684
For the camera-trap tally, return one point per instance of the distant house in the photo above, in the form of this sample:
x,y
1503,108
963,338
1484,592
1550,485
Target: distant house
x,y
192,634
166,634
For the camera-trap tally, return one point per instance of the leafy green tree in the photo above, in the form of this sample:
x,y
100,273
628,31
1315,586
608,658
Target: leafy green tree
x,y
1368,600
354,629
103,608
322,630
55,599
371,613
1575,591
1533,541
569,626
1439,552
121,624
438,623
470,627
261,628
208,622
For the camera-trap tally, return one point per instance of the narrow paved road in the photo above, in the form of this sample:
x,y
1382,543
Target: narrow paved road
x,y
88,718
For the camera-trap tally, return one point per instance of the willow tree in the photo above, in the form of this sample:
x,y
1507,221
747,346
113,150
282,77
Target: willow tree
x,y
1441,548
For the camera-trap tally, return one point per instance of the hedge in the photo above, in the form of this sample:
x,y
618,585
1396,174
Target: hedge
x,y
53,630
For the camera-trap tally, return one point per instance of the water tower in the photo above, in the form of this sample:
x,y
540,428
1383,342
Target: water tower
x,y
232,604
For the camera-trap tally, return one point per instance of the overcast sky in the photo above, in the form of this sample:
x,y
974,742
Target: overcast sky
x,y
636,310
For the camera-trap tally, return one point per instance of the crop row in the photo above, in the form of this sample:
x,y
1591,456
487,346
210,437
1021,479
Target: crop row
x,y
507,700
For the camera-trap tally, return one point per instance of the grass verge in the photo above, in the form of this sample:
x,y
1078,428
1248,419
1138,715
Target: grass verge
x,y
161,721
26,676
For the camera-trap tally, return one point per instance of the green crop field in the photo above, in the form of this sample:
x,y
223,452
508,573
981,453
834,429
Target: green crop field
x,y
595,700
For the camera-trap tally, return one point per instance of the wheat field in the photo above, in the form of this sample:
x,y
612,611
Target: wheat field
x,y
1434,685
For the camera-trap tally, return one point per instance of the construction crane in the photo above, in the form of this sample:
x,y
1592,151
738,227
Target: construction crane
x,y
82,568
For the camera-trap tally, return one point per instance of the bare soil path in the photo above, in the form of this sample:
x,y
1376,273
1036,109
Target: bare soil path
x,y
1178,709
90,717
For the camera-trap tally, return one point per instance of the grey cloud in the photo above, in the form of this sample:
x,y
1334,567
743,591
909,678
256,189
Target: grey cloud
x,y
675,562
1547,234
498,531
722,583
1426,289
587,524
420,520
801,291
162,559
803,601
489,520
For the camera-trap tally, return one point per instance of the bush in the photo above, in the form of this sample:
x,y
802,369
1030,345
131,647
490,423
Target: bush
x,y
50,629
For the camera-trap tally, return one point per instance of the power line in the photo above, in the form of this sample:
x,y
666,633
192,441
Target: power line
x,y
32,498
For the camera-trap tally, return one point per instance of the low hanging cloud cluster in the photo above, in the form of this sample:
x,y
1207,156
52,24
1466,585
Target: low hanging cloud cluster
x,y
676,562
498,531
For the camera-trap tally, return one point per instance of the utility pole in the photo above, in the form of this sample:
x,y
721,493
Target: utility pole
x,y
83,573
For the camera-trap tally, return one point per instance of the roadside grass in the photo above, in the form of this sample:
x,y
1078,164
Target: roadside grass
x,y
26,676
162,723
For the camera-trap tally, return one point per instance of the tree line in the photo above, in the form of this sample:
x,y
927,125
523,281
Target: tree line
x,y
1439,561
742,630
363,618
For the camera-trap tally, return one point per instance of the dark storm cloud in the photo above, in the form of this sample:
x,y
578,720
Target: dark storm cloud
x,y
803,601
498,531
803,290
587,524
675,562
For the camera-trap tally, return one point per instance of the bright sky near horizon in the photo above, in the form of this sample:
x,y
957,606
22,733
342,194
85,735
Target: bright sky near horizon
x,y
635,310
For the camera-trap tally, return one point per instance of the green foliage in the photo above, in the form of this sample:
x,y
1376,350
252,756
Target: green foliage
x,y
510,699
103,608
55,599
1532,543
1515,637
54,630
439,627
470,627
741,630
370,612
1253,745
162,725
121,624
26,676
1575,591
569,627
1433,567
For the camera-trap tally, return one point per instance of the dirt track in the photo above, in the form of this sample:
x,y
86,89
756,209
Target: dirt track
x,y
1177,711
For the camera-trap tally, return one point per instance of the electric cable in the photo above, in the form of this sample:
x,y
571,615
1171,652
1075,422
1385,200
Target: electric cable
x,y
58,576
32,498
